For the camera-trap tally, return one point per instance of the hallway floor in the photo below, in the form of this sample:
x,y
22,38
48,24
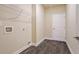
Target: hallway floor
x,y
48,47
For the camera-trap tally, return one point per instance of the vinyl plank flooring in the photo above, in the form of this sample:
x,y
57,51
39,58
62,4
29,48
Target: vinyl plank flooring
x,y
48,47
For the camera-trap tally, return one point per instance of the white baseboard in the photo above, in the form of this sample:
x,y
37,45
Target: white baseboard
x,y
69,48
39,42
25,47
36,44
22,49
54,39
33,44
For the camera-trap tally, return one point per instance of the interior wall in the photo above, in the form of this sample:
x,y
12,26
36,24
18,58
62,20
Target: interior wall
x,y
48,18
34,23
21,32
39,23
72,14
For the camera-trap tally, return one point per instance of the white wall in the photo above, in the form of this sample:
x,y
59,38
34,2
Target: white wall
x,y
48,18
77,21
71,28
39,23
21,35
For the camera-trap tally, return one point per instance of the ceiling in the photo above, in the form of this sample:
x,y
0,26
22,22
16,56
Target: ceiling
x,y
51,5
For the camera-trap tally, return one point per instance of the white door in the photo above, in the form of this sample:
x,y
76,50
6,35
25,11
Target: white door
x,y
58,24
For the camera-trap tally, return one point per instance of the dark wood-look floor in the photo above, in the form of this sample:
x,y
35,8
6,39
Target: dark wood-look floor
x,y
48,47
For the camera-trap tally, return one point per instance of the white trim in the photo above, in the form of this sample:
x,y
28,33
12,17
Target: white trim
x,y
22,49
34,44
49,38
54,39
69,47
40,42
37,43
25,47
